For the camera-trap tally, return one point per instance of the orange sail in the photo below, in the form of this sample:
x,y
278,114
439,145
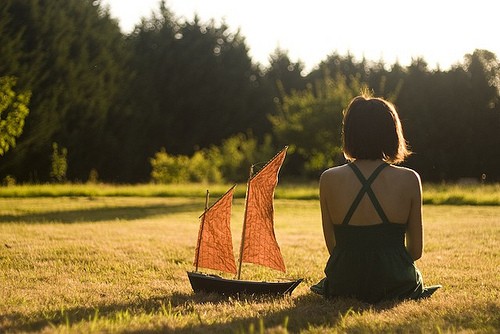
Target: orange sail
x,y
259,242
215,246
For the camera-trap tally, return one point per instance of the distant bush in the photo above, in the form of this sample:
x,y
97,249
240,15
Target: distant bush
x,y
238,153
169,169
93,176
229,162
9,181
204,167
59,163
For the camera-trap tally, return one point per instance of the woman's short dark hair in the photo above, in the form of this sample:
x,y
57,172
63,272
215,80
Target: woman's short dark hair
x,y
372,130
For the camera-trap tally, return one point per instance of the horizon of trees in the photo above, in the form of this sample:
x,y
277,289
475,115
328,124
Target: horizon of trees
x,y
114,100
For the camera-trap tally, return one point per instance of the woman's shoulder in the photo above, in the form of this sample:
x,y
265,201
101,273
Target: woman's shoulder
x,y
336,177
334,172
407,179
405,173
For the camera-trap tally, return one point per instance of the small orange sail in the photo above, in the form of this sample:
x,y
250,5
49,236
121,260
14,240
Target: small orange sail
x,y
215,245
260,245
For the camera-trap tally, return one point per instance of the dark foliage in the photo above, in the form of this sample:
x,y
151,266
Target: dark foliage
x,y
114,100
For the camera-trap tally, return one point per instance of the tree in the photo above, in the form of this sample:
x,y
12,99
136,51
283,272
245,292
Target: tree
x,y
286,76
195,85
346,66
68,53
310,121
451,119
13,112
483,71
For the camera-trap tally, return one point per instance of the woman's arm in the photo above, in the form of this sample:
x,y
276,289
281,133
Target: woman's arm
x,y
414,231
324,196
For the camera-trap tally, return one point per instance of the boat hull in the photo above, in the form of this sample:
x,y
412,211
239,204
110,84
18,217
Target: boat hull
x,y
216,284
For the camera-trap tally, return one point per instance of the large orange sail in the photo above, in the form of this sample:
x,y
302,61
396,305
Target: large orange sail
x,y
215,245
259,242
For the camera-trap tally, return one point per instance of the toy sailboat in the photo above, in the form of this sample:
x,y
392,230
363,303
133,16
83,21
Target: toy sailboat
x,y
258,242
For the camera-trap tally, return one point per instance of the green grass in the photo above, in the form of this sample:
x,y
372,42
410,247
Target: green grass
x,y
454,194
118,265
437,194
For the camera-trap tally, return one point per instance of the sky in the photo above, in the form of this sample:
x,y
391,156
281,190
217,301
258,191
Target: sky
x,y
442,32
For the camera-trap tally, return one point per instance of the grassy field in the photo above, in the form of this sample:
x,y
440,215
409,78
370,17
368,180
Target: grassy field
x,y
438,194
118,264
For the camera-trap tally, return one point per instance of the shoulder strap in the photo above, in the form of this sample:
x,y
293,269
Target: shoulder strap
x,y
366,188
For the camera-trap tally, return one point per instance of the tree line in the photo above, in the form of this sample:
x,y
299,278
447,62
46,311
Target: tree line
x,y
112,101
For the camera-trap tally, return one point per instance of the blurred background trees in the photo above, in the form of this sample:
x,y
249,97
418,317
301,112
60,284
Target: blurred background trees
x,y
70,55
124,106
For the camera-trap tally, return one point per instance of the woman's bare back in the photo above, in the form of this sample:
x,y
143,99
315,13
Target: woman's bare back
x,y
396,189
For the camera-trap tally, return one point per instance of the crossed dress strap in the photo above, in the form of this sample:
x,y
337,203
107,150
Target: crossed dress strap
x,y
366,188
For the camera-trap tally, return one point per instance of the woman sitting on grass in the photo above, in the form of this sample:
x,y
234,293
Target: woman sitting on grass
x,y
369,207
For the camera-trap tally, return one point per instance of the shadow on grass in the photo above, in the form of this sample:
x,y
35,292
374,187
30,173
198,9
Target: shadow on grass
x,y
100,214
307,311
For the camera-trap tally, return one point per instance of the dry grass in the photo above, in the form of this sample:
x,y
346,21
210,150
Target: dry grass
x,y
117,264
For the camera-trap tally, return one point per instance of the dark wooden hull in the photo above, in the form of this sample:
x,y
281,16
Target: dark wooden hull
x,y
216,284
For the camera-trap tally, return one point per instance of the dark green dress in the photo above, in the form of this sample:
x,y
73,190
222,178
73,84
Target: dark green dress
x,y
371,263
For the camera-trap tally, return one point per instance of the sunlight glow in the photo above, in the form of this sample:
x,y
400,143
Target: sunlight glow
x,y
389,30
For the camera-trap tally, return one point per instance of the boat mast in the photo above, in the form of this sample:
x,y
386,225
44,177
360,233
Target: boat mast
x,y
201,230
240,257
